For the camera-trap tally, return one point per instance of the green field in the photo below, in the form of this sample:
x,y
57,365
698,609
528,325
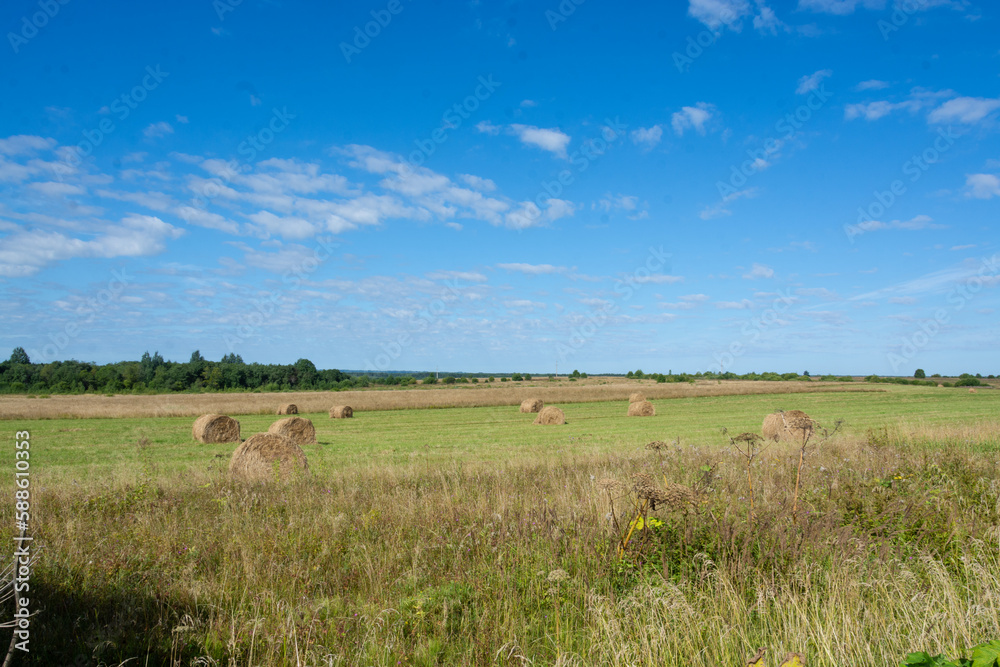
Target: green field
x,y
471,536
103,448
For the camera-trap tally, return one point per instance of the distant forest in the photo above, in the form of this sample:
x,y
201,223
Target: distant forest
x,y
153,375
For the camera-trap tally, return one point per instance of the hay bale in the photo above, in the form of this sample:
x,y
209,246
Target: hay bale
x,y
636,398
290,409
550,415
299,430
341,412
972,391
532,405
216,428
257,458
641,409
787,425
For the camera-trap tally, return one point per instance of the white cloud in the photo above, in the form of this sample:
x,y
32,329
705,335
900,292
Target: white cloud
x,y
718,210
967,110
808,84
692,118
528,103
157,130
759,271
871,111
182,119
840,7
871,84
982,186
647,137
967,246
524,303
486,127
745,304
202,218
716,13
289,227
53,189
25,253
549,139
467,276
25,143
482,184
914,224
658,279
532,269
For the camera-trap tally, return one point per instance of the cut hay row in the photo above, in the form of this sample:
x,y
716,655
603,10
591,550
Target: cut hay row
x,y
215,428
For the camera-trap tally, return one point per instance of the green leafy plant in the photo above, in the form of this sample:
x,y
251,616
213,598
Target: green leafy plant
x,y
984,655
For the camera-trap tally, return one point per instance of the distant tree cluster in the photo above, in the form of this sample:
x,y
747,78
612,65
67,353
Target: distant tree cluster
x,y
153,374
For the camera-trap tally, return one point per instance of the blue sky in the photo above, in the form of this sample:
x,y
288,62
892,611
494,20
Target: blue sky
x,y
740,184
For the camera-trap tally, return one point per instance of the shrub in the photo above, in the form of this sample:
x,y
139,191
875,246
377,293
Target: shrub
x,y
919,374
516,377
449,379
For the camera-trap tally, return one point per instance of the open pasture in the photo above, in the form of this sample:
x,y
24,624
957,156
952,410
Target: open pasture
x,y
468,535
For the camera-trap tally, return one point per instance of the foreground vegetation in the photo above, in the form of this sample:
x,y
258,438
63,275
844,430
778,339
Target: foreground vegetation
x,y
469,536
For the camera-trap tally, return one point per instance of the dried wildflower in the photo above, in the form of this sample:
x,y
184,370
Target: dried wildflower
x,y
557,575
657,445
609,484
642,480
747,437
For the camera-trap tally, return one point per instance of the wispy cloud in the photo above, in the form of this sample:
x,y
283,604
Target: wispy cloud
x,y
695,118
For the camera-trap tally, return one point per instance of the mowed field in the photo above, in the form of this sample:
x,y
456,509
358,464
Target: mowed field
x,y
468,535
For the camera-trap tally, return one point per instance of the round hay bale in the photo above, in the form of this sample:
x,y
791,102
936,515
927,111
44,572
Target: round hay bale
x,y
641,409
532,405
636,398
341,412
260,455
972,391
216,428
550,415
290,409
940,385
787,425
298,430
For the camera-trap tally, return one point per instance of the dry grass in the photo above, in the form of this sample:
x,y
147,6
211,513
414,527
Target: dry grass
x,y
896,550
480,395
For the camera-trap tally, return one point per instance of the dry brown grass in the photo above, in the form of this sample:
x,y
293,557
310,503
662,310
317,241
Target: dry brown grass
x,y
481,395
636,397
